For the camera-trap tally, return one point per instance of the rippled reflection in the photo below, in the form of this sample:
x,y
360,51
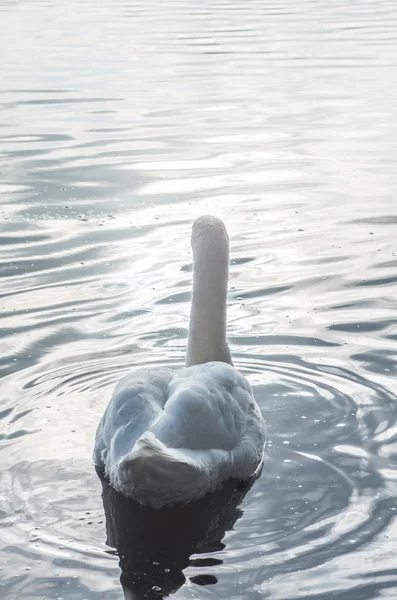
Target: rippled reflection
x,y
154,546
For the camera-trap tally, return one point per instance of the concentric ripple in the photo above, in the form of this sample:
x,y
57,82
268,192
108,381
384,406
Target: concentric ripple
x,y
325,494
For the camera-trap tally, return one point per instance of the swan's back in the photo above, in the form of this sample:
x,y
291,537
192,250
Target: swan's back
x,y
195,429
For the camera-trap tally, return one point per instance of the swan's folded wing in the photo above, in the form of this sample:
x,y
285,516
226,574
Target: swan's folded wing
x,y
136,404
208,408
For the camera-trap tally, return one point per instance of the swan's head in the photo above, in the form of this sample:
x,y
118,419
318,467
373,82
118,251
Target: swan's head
x,y
209,233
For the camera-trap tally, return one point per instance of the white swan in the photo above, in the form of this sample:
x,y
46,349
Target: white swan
x,y
169,437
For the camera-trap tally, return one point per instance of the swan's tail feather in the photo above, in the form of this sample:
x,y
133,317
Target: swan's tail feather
x,y
152,471
148,446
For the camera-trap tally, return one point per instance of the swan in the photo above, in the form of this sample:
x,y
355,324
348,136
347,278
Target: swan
x,y
171,437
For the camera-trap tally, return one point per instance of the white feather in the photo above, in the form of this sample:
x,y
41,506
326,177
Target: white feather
x,y
172,437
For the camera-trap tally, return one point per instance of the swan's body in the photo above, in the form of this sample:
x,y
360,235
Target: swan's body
x,y
171,437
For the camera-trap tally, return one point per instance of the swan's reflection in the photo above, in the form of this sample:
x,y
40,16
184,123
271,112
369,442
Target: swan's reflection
x,y
154,546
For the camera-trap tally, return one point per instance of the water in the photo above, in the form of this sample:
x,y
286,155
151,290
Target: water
x,y
120,123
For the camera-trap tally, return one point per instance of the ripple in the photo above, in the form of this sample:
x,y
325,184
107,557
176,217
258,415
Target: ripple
x,y
323,494
281,340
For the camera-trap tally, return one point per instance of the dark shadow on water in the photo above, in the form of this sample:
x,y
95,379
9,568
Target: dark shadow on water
x,y
155,545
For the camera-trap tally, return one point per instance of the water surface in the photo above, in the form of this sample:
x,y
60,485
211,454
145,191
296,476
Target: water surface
x,y
120,123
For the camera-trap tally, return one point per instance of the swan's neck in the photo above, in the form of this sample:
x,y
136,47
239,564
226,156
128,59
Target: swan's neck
x,y
207,328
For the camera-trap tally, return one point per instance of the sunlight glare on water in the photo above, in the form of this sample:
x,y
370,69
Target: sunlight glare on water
x,y
120,123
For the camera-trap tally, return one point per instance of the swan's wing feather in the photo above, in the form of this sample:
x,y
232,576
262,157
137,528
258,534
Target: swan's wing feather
x,y
207,409
136,404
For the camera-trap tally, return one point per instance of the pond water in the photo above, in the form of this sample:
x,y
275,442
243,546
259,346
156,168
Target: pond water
x,y
120,123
